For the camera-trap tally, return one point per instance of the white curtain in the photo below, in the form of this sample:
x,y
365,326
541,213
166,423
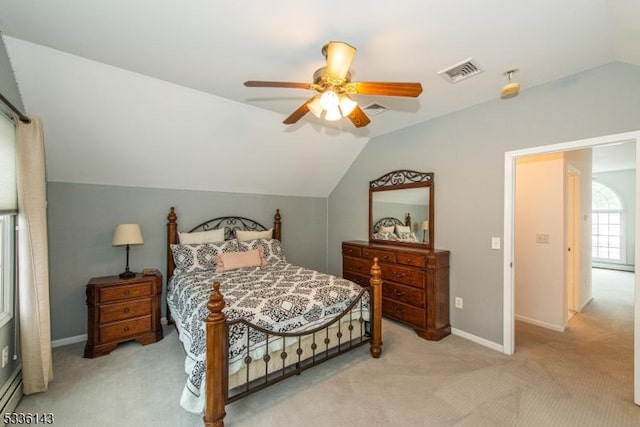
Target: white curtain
x,y
33,266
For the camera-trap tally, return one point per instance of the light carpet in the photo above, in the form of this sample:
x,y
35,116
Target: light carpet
x,y
582,377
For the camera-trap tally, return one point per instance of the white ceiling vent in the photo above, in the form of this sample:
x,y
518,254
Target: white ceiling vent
x,y
460,71
375,108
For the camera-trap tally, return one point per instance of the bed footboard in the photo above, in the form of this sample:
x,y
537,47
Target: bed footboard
x,y
216,375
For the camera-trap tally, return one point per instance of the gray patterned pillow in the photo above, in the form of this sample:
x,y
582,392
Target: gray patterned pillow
x,y
385,236
200,257
272,250
407,236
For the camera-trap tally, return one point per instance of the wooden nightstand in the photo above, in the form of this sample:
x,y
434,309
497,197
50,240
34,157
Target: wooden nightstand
x,y
122,310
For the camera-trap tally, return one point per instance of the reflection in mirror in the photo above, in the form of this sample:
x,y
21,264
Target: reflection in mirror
x,y
401,215
401,209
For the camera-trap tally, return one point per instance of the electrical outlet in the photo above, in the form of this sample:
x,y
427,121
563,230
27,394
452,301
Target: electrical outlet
x,y
495,243
5,356
459,302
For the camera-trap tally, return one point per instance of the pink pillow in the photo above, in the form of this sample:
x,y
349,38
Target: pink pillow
x,y
232,260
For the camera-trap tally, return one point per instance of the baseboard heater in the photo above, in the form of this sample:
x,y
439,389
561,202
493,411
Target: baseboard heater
x,y
11,392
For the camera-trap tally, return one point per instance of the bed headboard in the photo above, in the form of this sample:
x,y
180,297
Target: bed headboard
x,y
386,222
230,224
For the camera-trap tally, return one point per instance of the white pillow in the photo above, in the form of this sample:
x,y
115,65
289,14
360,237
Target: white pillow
x,y
385,229
402,229
211,236
243,235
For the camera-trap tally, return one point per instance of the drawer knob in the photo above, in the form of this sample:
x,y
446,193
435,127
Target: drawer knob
x,y
399,310
350,251
126,329
358,267
385,257
399,275
409,260
398,293
126,310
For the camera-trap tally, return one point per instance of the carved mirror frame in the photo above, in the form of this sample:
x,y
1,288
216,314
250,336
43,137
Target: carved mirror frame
x,y
399,180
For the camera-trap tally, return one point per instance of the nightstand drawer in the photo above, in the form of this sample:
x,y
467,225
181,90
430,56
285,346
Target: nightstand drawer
x,y
406,294
124,310
117,293
127,328
404,275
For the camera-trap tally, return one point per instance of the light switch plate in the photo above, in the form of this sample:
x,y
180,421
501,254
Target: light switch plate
x,y
495,243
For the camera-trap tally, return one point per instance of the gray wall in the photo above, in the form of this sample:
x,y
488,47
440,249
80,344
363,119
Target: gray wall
x,y
81,219
624,184
466,151
9,89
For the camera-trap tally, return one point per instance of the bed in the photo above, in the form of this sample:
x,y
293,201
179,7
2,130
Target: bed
x,y
390,228
246,328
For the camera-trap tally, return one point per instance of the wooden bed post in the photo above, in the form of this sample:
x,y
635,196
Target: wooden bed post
x,y
277,226
376,309
216,363
172,238
407,221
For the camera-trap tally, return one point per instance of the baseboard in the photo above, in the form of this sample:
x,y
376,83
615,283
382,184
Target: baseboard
x,y
11,392
478,340
68,340
163,321
585,304
540,323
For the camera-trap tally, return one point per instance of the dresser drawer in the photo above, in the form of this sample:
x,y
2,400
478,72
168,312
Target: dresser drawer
x,y
124,310
351,251
406,294
127,328
383,256
405,275
411,259
117,293
356,265
403,312
360,279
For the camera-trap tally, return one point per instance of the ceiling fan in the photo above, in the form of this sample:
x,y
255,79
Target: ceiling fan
x,y
333,84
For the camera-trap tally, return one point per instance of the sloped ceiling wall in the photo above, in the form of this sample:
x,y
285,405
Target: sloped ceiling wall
x,y
105,125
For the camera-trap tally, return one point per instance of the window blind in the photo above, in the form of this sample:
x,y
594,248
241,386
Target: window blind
x,y
8,192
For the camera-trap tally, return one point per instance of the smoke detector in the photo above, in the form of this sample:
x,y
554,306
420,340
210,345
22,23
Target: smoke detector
x,y
461,71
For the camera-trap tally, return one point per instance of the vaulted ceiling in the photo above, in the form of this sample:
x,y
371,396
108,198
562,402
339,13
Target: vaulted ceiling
x,y
149,93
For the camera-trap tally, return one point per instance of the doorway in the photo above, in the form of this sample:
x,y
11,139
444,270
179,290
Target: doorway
x,y
508,268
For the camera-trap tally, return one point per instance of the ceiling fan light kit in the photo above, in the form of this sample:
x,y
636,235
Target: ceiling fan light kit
x,y
511,89
333,84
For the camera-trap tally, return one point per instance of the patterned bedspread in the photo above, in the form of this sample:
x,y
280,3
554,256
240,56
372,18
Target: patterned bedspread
x,y
280,297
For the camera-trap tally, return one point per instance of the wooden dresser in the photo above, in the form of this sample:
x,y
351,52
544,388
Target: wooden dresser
x,y
122,310
415,283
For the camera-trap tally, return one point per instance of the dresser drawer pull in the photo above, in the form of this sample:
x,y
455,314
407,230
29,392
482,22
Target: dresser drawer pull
x,y
358,267
399,275
398,310
127,292
126,310
398,293
385,257
350,251
126,329
409,261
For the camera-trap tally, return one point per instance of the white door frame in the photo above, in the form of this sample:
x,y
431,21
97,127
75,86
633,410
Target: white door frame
x,y
509,201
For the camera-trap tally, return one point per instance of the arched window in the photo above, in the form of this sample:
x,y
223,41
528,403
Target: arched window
x,y
607,237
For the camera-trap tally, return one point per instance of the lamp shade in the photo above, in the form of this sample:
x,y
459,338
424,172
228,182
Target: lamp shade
x,y
127,234
424,225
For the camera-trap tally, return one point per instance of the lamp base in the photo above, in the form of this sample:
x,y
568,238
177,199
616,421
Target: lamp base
x,y
127,275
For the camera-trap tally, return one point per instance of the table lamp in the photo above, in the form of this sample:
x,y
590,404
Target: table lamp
x,y
424,226
127,234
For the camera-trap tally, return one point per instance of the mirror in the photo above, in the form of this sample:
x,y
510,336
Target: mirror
x,y
401,209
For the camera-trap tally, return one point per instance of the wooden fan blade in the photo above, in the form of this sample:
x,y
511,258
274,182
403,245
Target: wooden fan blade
x,y
388,88
258,83
298,114
359,118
